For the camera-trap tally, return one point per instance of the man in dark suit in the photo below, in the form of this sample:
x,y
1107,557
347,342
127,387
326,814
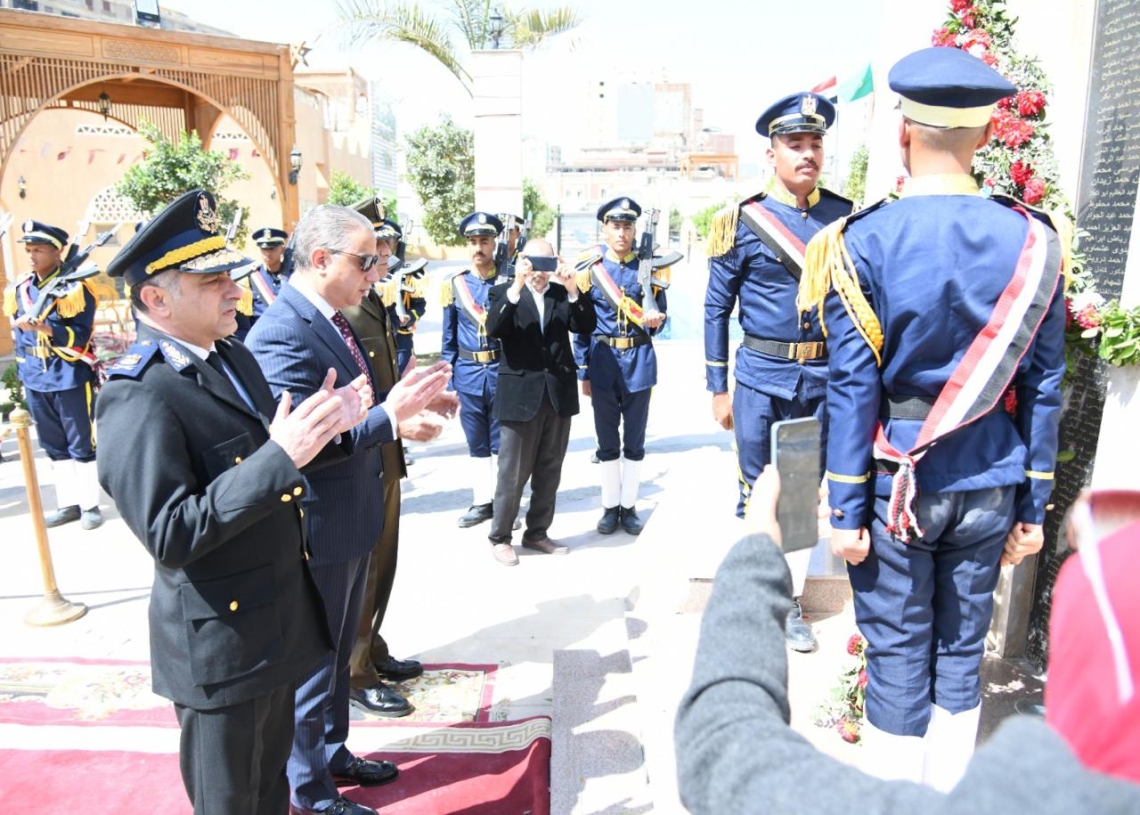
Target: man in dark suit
x,y
537,393
300,336
212,489
371,662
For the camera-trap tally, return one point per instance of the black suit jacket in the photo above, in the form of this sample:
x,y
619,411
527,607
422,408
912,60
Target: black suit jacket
x,y
234,613
535,361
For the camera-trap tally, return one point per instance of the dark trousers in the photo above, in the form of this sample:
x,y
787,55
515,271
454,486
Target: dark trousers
x,y
477,415
322,696
532,450
370,647
925,607
619,422
753,414
63,422
233,758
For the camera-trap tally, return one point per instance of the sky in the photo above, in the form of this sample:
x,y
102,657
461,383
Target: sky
x,y
738,56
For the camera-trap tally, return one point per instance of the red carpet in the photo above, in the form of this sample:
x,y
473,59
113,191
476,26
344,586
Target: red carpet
x,y
81,736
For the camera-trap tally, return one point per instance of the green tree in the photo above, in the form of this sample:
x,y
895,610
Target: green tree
x,y
535,207
675,222
856,186
344,190
703,219
367,22
441,167
171,168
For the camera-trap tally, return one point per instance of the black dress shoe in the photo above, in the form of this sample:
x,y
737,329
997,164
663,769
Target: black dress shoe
x,y
91,519
381,700
476,515
399,669
365,773
341,806
629,521
609,522
63,515
797,631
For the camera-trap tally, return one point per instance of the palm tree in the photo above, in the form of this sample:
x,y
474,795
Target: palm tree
x,y
480,24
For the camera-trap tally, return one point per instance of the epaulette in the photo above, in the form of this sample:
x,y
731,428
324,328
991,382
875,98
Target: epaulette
x,y
722,229
828,266
11,304
447,288
587,259
867,210
1057,221
387,291
245,303
74,300
131,364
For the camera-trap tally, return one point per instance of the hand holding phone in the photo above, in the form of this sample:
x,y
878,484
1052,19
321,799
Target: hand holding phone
x,y
796,454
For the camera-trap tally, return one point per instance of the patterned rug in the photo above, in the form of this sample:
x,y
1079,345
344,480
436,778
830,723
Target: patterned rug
x,y
112,744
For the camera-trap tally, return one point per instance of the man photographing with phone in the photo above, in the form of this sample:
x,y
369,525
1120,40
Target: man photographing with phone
x,y
537,391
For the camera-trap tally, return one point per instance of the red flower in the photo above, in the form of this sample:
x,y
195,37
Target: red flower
x,y
1010,129
1089,317
959,5
1068,313
855,645
1007,102
989,182
1034,191
989,59
862,677
1030,103
1020,172
848,730
968,18
899,183
943,37
1010,402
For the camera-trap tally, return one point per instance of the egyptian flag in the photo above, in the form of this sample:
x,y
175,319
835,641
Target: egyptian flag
x,y
828,88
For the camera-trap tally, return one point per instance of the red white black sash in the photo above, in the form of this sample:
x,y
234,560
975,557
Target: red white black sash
x,y
67,353
789,249
981,379
467,301
264,285
622,303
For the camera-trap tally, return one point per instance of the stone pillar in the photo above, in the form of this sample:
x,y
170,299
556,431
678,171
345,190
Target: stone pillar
x,y
497,79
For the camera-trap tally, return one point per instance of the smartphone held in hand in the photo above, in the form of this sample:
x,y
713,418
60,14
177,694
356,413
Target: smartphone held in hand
x,y
796,452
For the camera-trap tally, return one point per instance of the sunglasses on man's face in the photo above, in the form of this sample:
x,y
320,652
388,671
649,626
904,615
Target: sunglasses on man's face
x,y
366,261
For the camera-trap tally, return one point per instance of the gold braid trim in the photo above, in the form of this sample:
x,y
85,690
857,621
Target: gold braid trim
x,y
722,231
72,303
10,304
827,266
665,275
387,292
245,304
1064,229
188,252
585,282
446,293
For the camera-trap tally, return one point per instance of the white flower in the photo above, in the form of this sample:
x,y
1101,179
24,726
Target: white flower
x,y
1085,299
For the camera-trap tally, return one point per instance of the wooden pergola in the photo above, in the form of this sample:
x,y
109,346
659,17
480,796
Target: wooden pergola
x,y
178,81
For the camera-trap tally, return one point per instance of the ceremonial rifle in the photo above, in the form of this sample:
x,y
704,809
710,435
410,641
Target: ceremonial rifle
x,y
73,270
503,256
645,264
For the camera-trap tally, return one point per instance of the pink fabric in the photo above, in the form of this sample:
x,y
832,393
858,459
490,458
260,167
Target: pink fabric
x,y
1083,695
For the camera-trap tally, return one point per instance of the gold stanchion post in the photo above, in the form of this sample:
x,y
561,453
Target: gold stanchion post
x,y
54,609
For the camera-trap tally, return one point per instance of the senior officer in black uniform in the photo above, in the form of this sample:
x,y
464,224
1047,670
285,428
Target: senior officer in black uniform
x,y
617,365
55,362
943,302
266,280
756,257
213,490
474,358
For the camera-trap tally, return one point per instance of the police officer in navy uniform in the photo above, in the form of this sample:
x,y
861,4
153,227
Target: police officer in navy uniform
x,y
266,280
617,364
474,358
932,484
56,365
755,258
403,296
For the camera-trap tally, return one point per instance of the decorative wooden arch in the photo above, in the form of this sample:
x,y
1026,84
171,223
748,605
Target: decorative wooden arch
x,y
179,81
